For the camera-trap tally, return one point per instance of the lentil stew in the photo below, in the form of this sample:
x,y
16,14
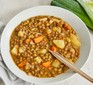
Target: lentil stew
x,y
31,40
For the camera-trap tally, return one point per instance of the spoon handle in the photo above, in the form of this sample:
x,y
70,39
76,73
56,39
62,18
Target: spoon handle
x,y
70,65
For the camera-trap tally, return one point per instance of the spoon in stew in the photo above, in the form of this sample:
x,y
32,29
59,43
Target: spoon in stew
x,y
70,65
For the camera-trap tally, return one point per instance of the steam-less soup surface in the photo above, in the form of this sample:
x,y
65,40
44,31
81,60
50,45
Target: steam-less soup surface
x,y
31,40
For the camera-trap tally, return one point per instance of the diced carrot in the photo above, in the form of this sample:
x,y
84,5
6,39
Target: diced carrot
x,y
38,39
46,64
27,40
53,48
66,26
50,68
22,64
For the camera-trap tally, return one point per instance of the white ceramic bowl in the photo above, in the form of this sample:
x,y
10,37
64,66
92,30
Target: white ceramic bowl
x,y
69,17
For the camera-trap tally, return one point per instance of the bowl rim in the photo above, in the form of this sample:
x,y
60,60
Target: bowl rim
x,y
52,7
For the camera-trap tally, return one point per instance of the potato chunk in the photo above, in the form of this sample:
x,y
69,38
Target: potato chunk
x,y
38,59
68,39
74,40
14,51
51,21
21,33
56,20
59,43
43,51
28,66
22,49
58,29
56,63
43,19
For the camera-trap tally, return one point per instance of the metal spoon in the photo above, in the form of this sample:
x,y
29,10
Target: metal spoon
x,y
70,65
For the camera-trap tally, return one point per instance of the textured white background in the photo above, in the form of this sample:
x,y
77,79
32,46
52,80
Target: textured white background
x,y
9,8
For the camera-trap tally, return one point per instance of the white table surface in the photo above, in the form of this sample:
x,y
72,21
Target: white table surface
x,y
9,8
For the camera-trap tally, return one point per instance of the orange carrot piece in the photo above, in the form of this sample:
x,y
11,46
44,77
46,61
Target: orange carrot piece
x,y
53,48
46,64
22,64
27,40
38,39
50,68
66,26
